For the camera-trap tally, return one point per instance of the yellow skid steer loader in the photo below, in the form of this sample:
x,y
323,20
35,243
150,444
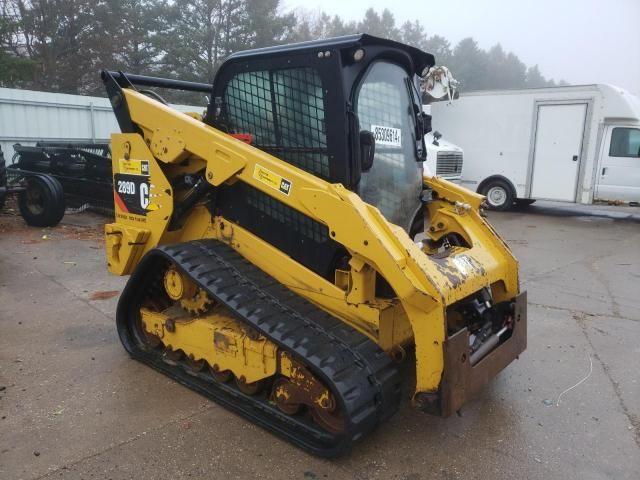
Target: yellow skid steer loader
x,y
286,253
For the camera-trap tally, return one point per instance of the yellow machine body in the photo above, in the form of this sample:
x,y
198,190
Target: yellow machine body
x,y
425,282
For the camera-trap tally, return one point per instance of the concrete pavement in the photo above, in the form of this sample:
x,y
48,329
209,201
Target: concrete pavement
x,y
73,405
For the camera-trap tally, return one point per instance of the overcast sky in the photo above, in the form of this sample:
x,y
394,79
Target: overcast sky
x,y
580,41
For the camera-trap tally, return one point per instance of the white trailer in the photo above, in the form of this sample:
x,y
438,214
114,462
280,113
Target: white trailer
x,y
572,144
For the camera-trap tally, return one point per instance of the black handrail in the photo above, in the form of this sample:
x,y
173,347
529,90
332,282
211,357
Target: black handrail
x,y
127,79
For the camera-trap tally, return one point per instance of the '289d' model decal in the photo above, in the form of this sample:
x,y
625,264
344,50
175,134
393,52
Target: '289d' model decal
x,y
131,193
131,186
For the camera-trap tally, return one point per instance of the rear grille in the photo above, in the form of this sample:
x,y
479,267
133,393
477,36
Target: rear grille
x,y
449,164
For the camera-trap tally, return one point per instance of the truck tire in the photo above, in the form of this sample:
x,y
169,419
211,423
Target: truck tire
x,y
42,202
3,179
499,194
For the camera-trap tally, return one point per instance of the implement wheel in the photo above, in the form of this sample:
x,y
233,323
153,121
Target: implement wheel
x,y
42,203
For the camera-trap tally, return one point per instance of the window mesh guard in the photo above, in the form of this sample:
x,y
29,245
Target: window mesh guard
x,y
285,112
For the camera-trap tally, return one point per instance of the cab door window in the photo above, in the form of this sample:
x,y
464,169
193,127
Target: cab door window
x,y
385,107
625,142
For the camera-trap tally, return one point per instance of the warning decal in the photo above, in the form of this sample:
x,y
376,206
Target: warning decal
x,y
134,167
272,179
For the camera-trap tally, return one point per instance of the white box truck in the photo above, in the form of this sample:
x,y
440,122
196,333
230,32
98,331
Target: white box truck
x,y
572,144
444,159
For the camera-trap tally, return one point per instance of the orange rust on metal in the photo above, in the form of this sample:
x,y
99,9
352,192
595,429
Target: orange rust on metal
x,y
222,376
330,421
195,365
283,394
249,388
461,381
302,388
149,339
173,355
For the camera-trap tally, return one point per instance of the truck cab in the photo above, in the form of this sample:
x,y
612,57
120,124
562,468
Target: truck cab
x,y
444,159
619,172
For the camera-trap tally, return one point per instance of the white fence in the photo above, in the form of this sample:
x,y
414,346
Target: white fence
x,y
28,116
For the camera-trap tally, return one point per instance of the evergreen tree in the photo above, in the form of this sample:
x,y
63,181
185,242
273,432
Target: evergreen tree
x,y
133,28
264,25
514,72
412,33
379,25
14,68
309,26
469,64
204,32
55,37
60,45
440,48
534,78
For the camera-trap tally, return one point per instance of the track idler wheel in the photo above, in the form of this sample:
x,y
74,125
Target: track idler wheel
x,y
173,356
331,421
222,376
283,395
303,389
249,388
194,365
149,340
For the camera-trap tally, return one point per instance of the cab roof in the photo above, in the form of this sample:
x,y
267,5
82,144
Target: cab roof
x,y
419,58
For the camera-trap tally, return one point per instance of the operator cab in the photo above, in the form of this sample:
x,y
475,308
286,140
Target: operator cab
x,y
344,109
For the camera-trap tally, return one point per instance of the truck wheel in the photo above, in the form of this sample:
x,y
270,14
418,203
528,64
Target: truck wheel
x,y
3,179
499,194
42,202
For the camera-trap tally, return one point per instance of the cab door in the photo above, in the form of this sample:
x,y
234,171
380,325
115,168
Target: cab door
x,y
385,107
619,173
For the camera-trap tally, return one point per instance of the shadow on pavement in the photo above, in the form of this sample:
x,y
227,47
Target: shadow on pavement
x,y
557,209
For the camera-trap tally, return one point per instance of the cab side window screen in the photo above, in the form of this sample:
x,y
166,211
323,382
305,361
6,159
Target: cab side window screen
x,y
285,112
625,142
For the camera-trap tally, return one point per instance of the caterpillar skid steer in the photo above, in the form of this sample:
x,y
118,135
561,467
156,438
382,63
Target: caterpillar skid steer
x,y
285,252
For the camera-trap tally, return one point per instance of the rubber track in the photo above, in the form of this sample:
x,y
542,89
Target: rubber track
x,y
361,376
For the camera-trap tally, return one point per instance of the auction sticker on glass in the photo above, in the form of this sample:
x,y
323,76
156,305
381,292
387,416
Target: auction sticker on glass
x,y
389,136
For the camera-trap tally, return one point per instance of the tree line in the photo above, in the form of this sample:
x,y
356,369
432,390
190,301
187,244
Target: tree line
x,y
60,45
